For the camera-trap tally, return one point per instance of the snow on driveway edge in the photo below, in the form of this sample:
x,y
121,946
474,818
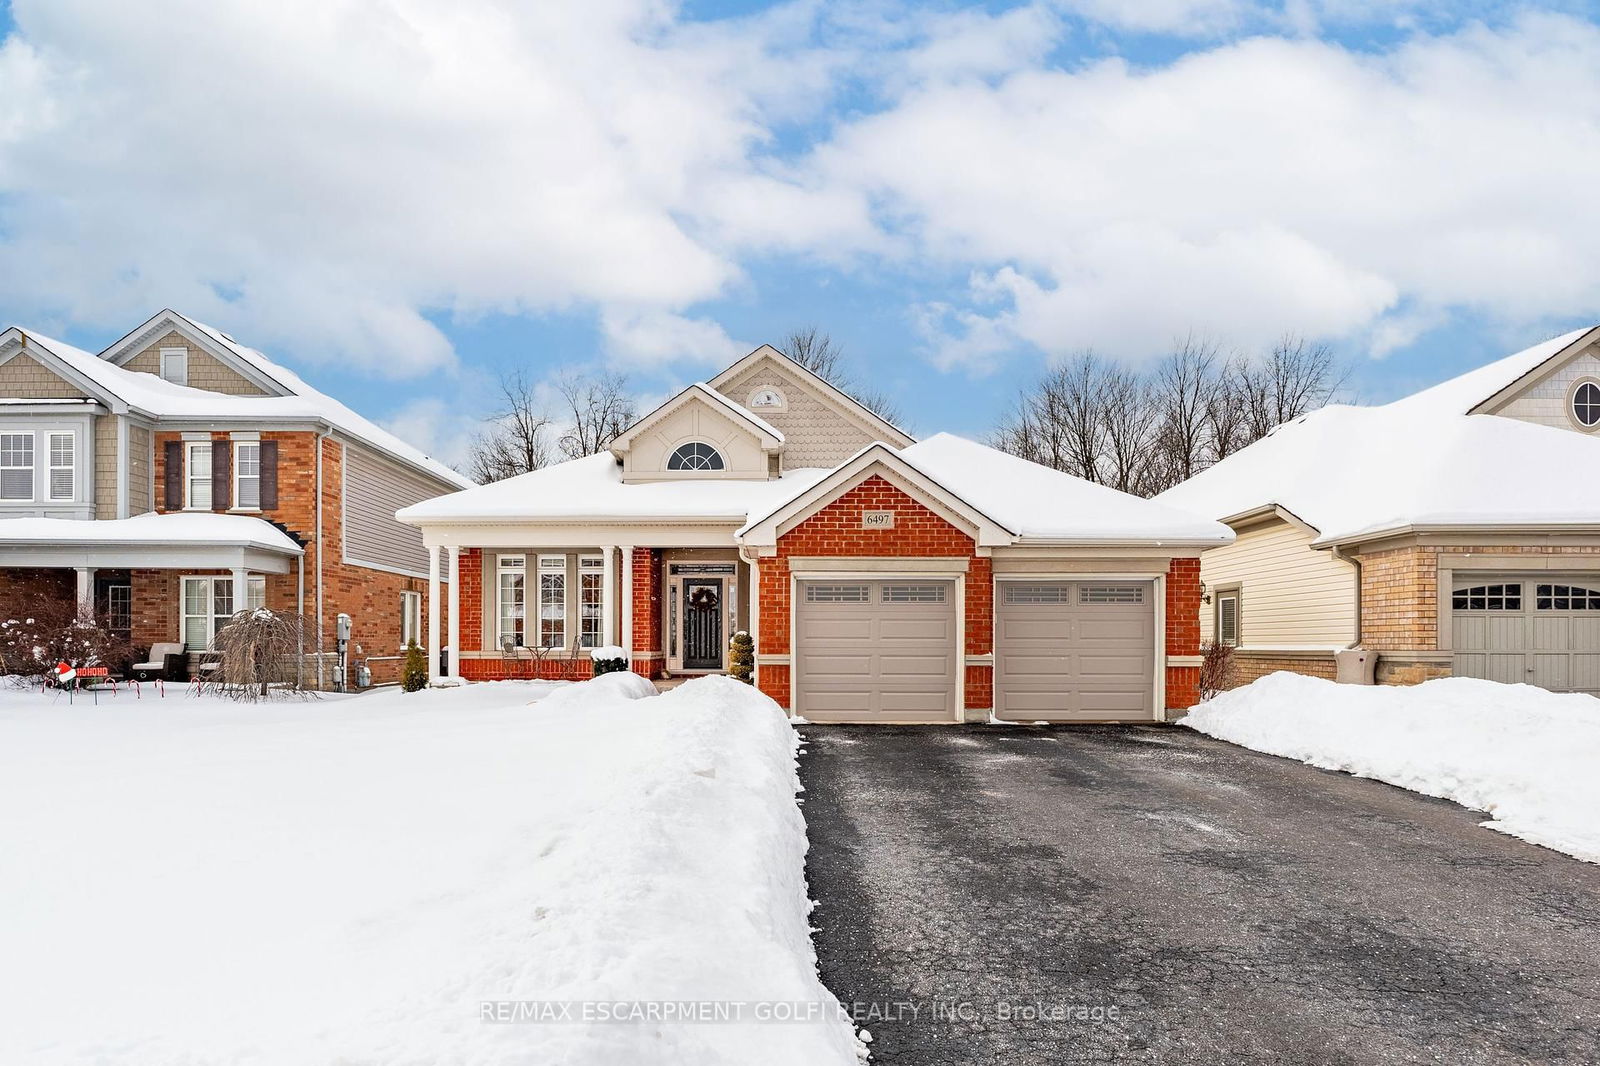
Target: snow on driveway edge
x,y
1524,755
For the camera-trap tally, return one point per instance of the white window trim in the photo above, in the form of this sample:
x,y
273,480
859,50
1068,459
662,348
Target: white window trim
x,y
509,564
592,566
32,466
51,466
1238,622
255,596
189,449
239,479
410,619
181,354
553,566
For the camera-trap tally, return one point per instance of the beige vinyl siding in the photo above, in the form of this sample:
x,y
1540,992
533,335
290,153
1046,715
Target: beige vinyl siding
x,y
206,371
1291,595
1544,402
24,377
817,432
140,469
695,420
105,466
374,489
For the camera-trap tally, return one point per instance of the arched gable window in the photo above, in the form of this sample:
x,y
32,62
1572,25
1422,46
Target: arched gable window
x,y
695,456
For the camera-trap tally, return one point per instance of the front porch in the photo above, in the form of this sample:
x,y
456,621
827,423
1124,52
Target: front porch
x,y
537,611
151,579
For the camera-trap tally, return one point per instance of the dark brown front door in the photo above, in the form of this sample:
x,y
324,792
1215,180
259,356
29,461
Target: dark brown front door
x,y
702,624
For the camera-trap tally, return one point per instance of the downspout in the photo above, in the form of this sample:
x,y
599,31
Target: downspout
x,y
320,561
1355,563
300,609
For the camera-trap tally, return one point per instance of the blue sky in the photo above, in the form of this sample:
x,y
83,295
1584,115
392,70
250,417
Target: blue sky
x,y
400,198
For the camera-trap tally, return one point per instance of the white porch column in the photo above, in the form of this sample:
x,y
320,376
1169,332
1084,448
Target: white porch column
x,y
433,613
608,597
85,592
627,602
241,589
455,610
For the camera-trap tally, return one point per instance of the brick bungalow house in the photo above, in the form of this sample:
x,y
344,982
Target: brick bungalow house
x,y
1454,532
885,580
179,475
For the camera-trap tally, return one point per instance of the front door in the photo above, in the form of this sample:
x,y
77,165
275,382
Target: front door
x,y
702,624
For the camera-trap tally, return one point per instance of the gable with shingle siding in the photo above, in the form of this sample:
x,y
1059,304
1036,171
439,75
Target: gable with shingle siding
x,y
206,371
817,432
24,377
1545,399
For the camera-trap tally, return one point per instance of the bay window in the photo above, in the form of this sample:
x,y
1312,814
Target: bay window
x,y
552,601
63,466
16,466
591,600
513,572
208,606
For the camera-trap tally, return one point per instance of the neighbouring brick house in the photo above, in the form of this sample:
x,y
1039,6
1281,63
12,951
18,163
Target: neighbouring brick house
x,y
884,579
1453,532
179,475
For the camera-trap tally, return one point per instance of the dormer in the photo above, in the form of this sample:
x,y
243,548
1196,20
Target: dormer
x,y
700,434
178,349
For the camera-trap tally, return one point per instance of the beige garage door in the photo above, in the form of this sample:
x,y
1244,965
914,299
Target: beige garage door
x,y
876,651
1075,651
1531,628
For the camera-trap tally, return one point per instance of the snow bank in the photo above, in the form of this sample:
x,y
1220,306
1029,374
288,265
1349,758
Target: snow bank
x,y
1526,756
581,695
353,880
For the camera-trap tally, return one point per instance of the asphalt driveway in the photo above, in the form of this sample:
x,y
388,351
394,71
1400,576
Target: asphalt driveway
x,y
1146,894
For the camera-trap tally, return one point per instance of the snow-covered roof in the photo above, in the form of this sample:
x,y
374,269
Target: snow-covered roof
x,y
1351,472
1460,394
737,412
1038,503
592,487
153,530
159,398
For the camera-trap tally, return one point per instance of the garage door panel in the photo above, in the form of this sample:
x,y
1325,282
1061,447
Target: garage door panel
x,y
1549,636
887,655
1061,659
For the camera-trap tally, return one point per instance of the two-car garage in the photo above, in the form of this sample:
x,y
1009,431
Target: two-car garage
x,y
889,649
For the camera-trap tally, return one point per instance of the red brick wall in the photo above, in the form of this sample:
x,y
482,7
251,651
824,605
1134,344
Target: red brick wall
x,y
472,600
1183,630
496,669
836,530
370,597
647,650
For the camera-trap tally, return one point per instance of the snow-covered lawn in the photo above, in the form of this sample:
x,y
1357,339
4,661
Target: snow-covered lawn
x,y
1529,758
352,880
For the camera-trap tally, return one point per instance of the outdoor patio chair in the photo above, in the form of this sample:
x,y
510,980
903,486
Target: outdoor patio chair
x,y
166,663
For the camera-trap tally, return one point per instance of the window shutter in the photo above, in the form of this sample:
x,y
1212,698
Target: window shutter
x,y
269,474
173,478
221,475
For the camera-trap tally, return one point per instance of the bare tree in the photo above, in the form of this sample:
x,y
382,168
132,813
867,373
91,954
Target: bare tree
x,y
600,409
819,353
517,439
1143,433
1184,386
1294,378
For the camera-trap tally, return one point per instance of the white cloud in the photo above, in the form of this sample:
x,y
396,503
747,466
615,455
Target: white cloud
x,y
652,338
331,169
1249,189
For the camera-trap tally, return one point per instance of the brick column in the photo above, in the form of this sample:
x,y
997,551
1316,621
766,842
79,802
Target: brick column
x,y
1183,631
645,568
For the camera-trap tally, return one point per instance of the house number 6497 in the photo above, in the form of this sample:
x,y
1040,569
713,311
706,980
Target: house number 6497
x,y
877,519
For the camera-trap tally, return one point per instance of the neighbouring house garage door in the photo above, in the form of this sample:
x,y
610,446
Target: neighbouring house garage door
x,y
1537,629
1075,651
876,651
